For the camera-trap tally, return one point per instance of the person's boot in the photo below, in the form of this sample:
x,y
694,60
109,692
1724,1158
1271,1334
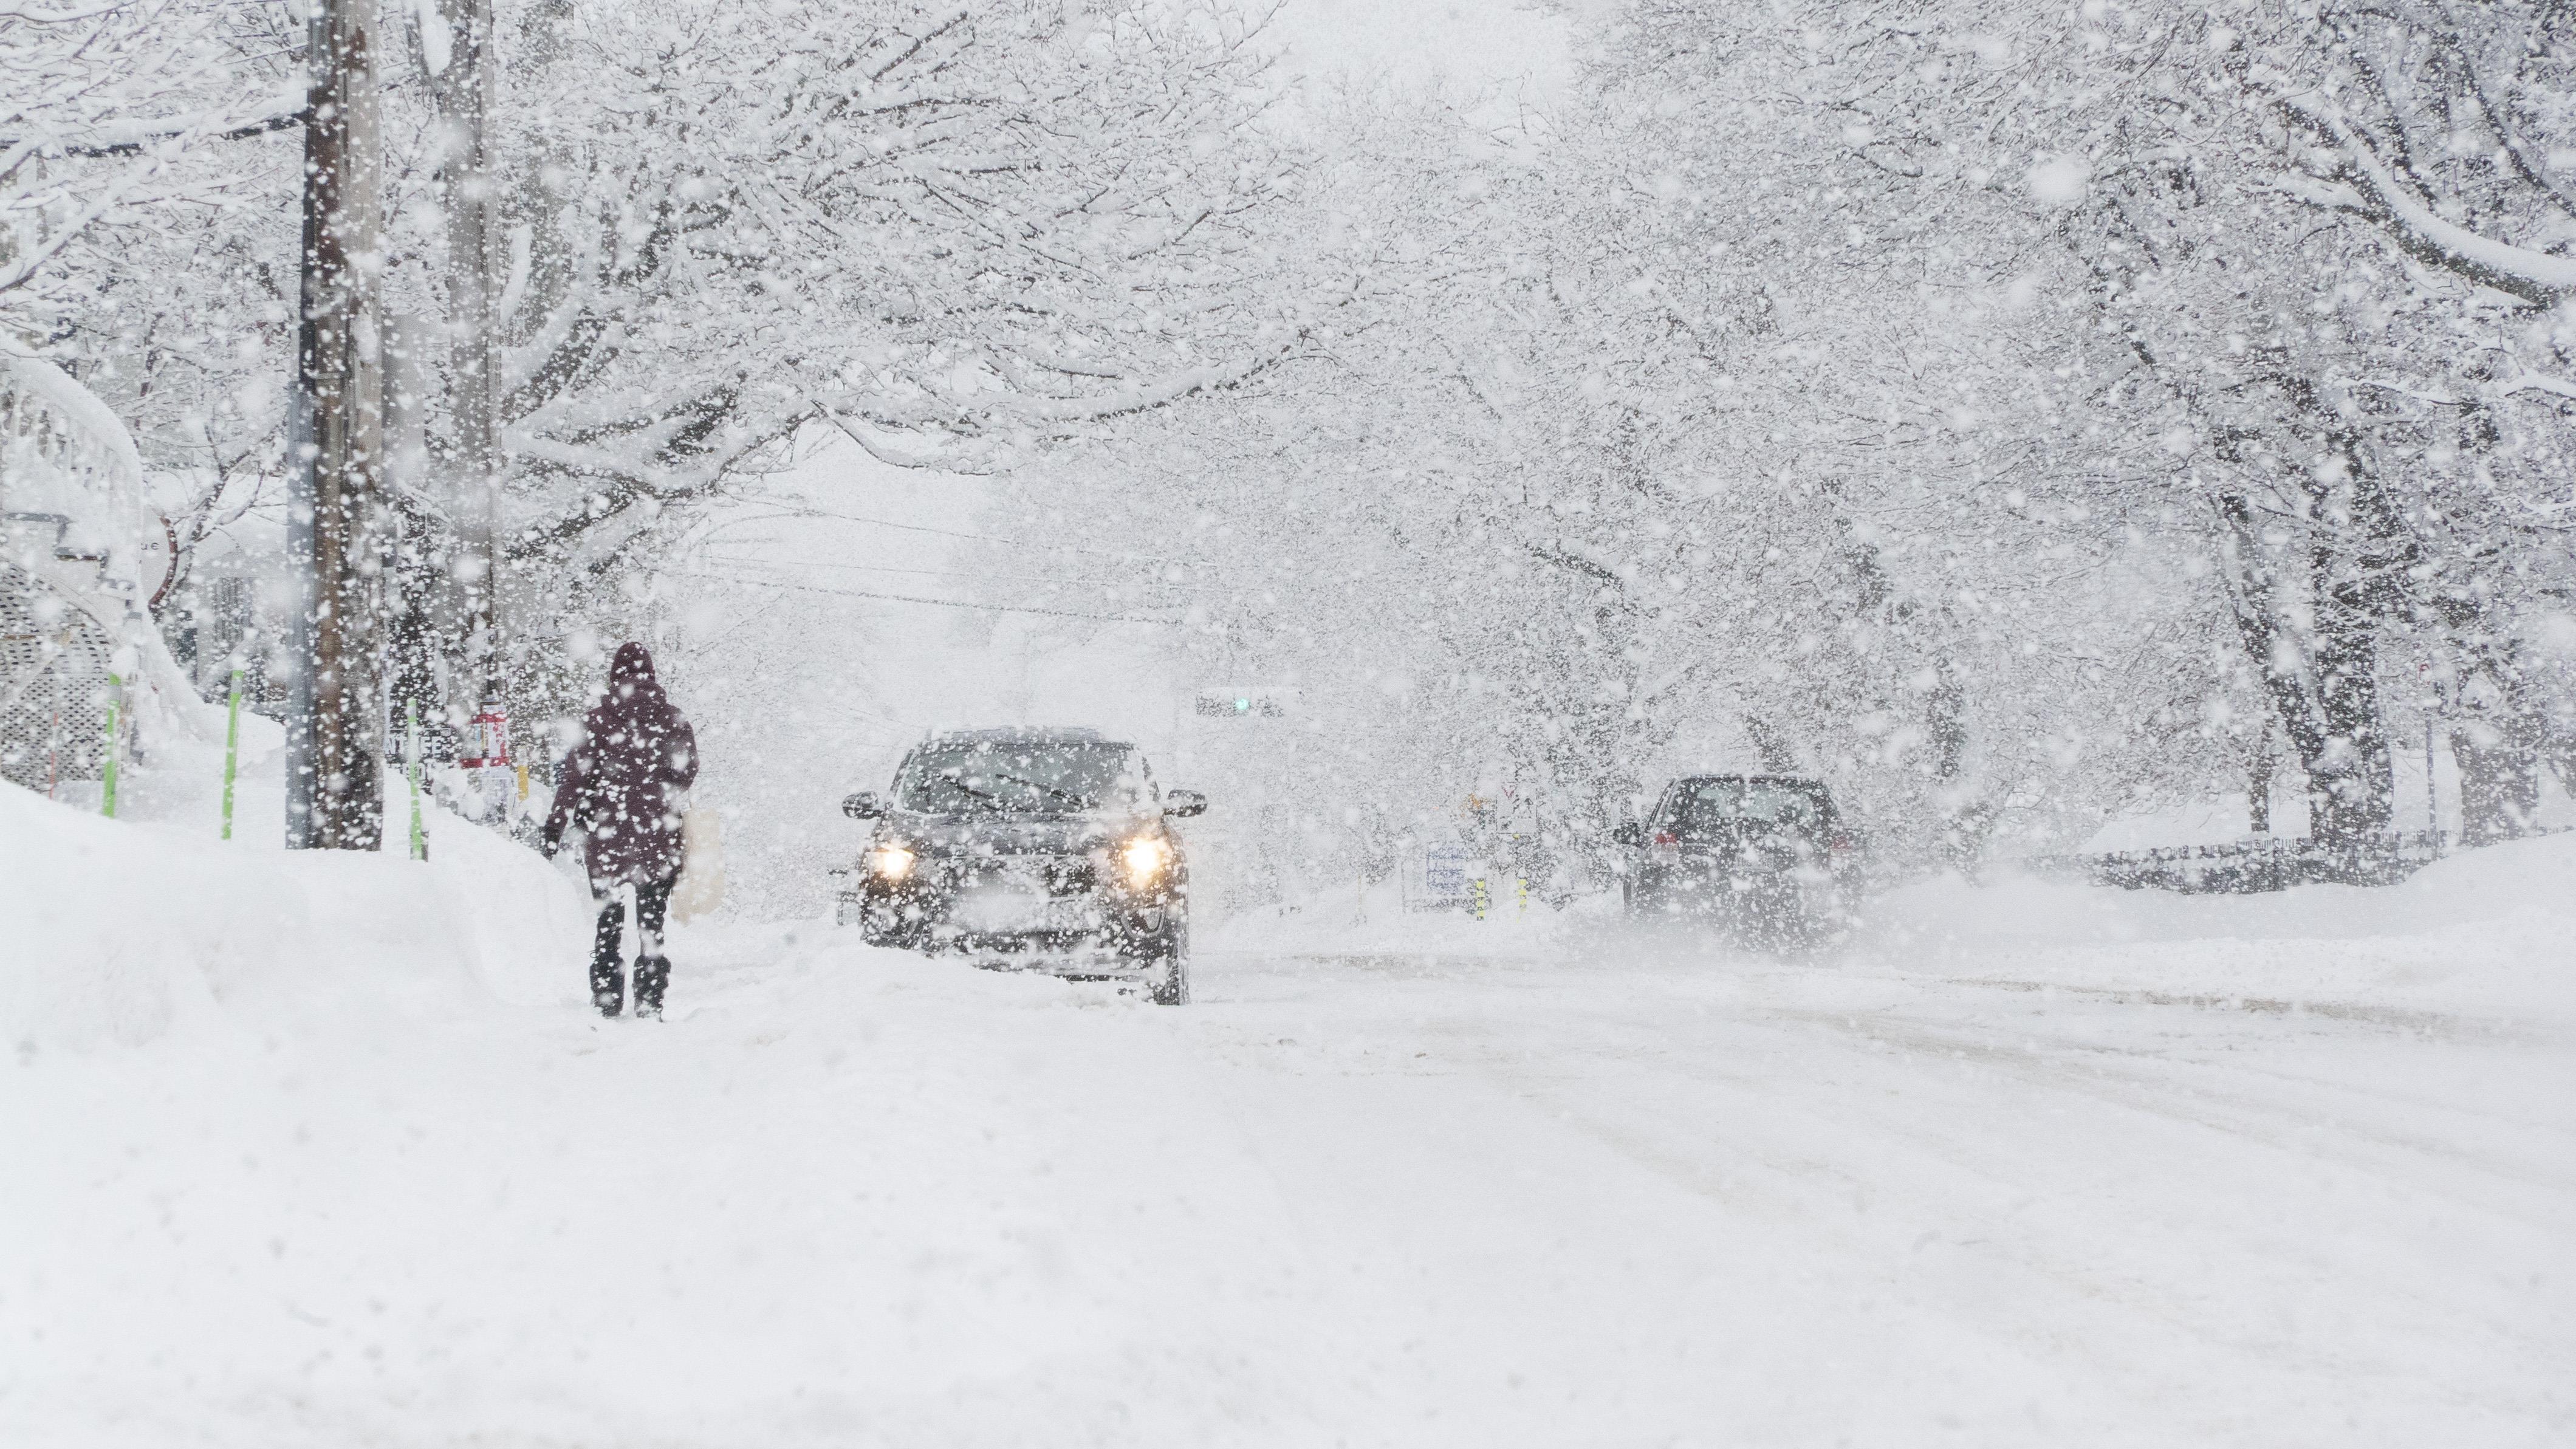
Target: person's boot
x,y
652,974
608,987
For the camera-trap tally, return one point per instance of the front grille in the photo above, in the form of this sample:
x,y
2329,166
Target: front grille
x,y
1070,875
1054,875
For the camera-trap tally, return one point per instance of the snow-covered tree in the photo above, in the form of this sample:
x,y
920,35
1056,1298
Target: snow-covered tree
x,y
925,228
1997,411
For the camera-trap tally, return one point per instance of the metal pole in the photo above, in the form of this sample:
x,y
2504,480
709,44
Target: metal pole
x,y
2432,804
411,771
232,751
107,778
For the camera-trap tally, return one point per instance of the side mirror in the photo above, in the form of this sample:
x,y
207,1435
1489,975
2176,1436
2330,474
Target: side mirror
x,y
863,806
1627,832
1184,803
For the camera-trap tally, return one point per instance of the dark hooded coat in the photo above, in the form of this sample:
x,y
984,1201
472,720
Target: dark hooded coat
x,y
617,783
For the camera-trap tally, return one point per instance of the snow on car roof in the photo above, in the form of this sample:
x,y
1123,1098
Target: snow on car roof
x,y
1019,734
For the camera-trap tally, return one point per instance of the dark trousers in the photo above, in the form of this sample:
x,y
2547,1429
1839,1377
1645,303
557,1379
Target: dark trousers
x,y
607,961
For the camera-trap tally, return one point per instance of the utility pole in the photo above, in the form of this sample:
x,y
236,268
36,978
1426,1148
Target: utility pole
x,y
417,587
465,90
2258,782
337,523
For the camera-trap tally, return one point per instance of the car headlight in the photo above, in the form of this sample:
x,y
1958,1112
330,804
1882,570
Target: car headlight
x,y
1145,859
890,861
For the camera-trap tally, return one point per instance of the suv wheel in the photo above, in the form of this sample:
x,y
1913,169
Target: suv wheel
x,y
881,923
1166,955
1643,896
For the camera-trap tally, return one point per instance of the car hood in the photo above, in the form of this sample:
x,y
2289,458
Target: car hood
x,y
1013,835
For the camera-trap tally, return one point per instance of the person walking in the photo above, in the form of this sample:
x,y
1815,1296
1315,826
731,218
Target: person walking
x,y
616,786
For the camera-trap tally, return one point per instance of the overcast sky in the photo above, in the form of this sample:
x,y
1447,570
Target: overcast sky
x,y
1477,42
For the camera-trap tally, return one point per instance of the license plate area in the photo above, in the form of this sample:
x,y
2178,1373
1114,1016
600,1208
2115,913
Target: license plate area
x,y
1012,903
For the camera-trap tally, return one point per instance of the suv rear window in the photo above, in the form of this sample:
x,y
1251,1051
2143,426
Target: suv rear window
x,y
1712,805
1003,777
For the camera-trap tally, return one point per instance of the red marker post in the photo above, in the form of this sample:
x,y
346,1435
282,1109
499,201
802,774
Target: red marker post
x,y
485,755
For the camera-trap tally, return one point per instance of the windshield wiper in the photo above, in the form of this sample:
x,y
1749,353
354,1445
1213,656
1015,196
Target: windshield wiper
x,y
953,783
1076,801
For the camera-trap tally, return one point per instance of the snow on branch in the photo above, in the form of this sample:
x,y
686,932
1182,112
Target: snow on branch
x,y
2375,193
131,136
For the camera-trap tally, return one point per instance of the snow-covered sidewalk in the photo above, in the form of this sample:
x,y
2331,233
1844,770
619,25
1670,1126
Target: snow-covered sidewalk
x,y
2139,1172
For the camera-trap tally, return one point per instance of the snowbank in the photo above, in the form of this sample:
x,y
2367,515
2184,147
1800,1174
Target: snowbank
x,y
1375,922
2490,932
121,930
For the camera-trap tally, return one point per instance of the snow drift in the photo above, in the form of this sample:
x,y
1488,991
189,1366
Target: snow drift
x,y
2489,932
121,930
2026,1165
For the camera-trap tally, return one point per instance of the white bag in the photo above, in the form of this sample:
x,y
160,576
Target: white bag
x,y
702,874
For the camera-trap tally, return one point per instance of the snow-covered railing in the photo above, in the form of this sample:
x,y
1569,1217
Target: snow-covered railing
x,y
73,626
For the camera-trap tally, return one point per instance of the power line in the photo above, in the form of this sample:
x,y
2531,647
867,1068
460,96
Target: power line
x,y
914,599
809,511
950,573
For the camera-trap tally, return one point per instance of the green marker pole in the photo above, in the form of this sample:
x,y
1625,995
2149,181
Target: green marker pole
x,y
107,795
411,769
232,752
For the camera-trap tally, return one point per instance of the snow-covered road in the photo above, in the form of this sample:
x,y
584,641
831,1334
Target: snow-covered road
x,y
1800,1205
1620,1192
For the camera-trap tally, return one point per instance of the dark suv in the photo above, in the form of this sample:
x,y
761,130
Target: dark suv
x,y
1049,847
1764,854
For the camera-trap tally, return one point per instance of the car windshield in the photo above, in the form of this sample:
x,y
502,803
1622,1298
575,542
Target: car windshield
x,y
1016,777
1712,805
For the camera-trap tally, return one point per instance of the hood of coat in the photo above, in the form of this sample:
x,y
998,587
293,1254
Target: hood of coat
x,y
634,715
631,665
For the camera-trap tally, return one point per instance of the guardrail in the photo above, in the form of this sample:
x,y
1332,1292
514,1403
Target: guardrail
x,y
2244,866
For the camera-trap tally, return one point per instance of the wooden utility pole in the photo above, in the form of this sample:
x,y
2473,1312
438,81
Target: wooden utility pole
x,y
337,517
464,88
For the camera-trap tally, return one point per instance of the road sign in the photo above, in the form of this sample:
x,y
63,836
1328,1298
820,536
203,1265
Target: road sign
x,y
1440,877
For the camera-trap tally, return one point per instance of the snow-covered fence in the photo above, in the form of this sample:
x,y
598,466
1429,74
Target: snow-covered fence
x,y
54,663
2244,866
71,587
